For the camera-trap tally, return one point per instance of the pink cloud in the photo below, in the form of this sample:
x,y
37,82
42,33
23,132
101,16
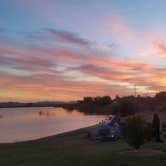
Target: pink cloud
x,y
119,27
46,83
161,50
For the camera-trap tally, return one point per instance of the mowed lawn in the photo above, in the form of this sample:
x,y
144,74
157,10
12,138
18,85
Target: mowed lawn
x,y
75,150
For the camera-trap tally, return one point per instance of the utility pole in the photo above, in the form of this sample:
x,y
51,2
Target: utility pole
x,y
135,90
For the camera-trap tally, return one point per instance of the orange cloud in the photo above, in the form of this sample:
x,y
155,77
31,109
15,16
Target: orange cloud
x,y
47,83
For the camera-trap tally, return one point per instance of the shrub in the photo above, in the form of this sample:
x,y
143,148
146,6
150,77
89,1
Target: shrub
x,y
161,96
148,132
128,106
105,100
134,132
162,107
88,100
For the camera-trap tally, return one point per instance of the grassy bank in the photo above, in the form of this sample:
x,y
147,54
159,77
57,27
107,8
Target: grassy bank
x,y
73,149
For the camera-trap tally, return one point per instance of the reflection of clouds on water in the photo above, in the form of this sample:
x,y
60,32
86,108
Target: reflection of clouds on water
x,y
46,113
20,124
55,113
37,113
60,113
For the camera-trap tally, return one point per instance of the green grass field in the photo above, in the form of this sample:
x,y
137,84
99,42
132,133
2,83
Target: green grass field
x,y
75,150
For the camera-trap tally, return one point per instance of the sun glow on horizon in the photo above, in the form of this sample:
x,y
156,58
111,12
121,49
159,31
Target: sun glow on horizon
x,y
78,51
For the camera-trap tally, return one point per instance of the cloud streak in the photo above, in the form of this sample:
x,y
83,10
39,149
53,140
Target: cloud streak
x,y
68,37
57,73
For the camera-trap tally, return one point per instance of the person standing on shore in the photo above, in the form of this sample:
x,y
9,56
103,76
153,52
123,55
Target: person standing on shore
x,y
156,127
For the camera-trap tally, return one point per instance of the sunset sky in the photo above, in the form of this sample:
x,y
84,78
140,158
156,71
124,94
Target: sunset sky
x,y
66,49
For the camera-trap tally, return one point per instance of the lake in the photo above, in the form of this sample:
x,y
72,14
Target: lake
x,y
21,124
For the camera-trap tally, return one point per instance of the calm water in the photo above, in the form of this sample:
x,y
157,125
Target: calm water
x,y
20,124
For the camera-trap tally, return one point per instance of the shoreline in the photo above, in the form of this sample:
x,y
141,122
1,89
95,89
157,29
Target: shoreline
x,y
55,137
65,134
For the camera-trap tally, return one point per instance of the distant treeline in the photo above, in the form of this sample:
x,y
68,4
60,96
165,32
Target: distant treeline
x,y
123,106
36,104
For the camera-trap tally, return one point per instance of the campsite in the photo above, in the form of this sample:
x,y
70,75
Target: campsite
x,y
82,83
75,148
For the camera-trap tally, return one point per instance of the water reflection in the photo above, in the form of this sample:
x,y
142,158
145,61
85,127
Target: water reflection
x,y
35,113
19,124
60,113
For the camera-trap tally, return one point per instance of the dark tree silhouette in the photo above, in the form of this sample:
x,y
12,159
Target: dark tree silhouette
x,y
156,127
